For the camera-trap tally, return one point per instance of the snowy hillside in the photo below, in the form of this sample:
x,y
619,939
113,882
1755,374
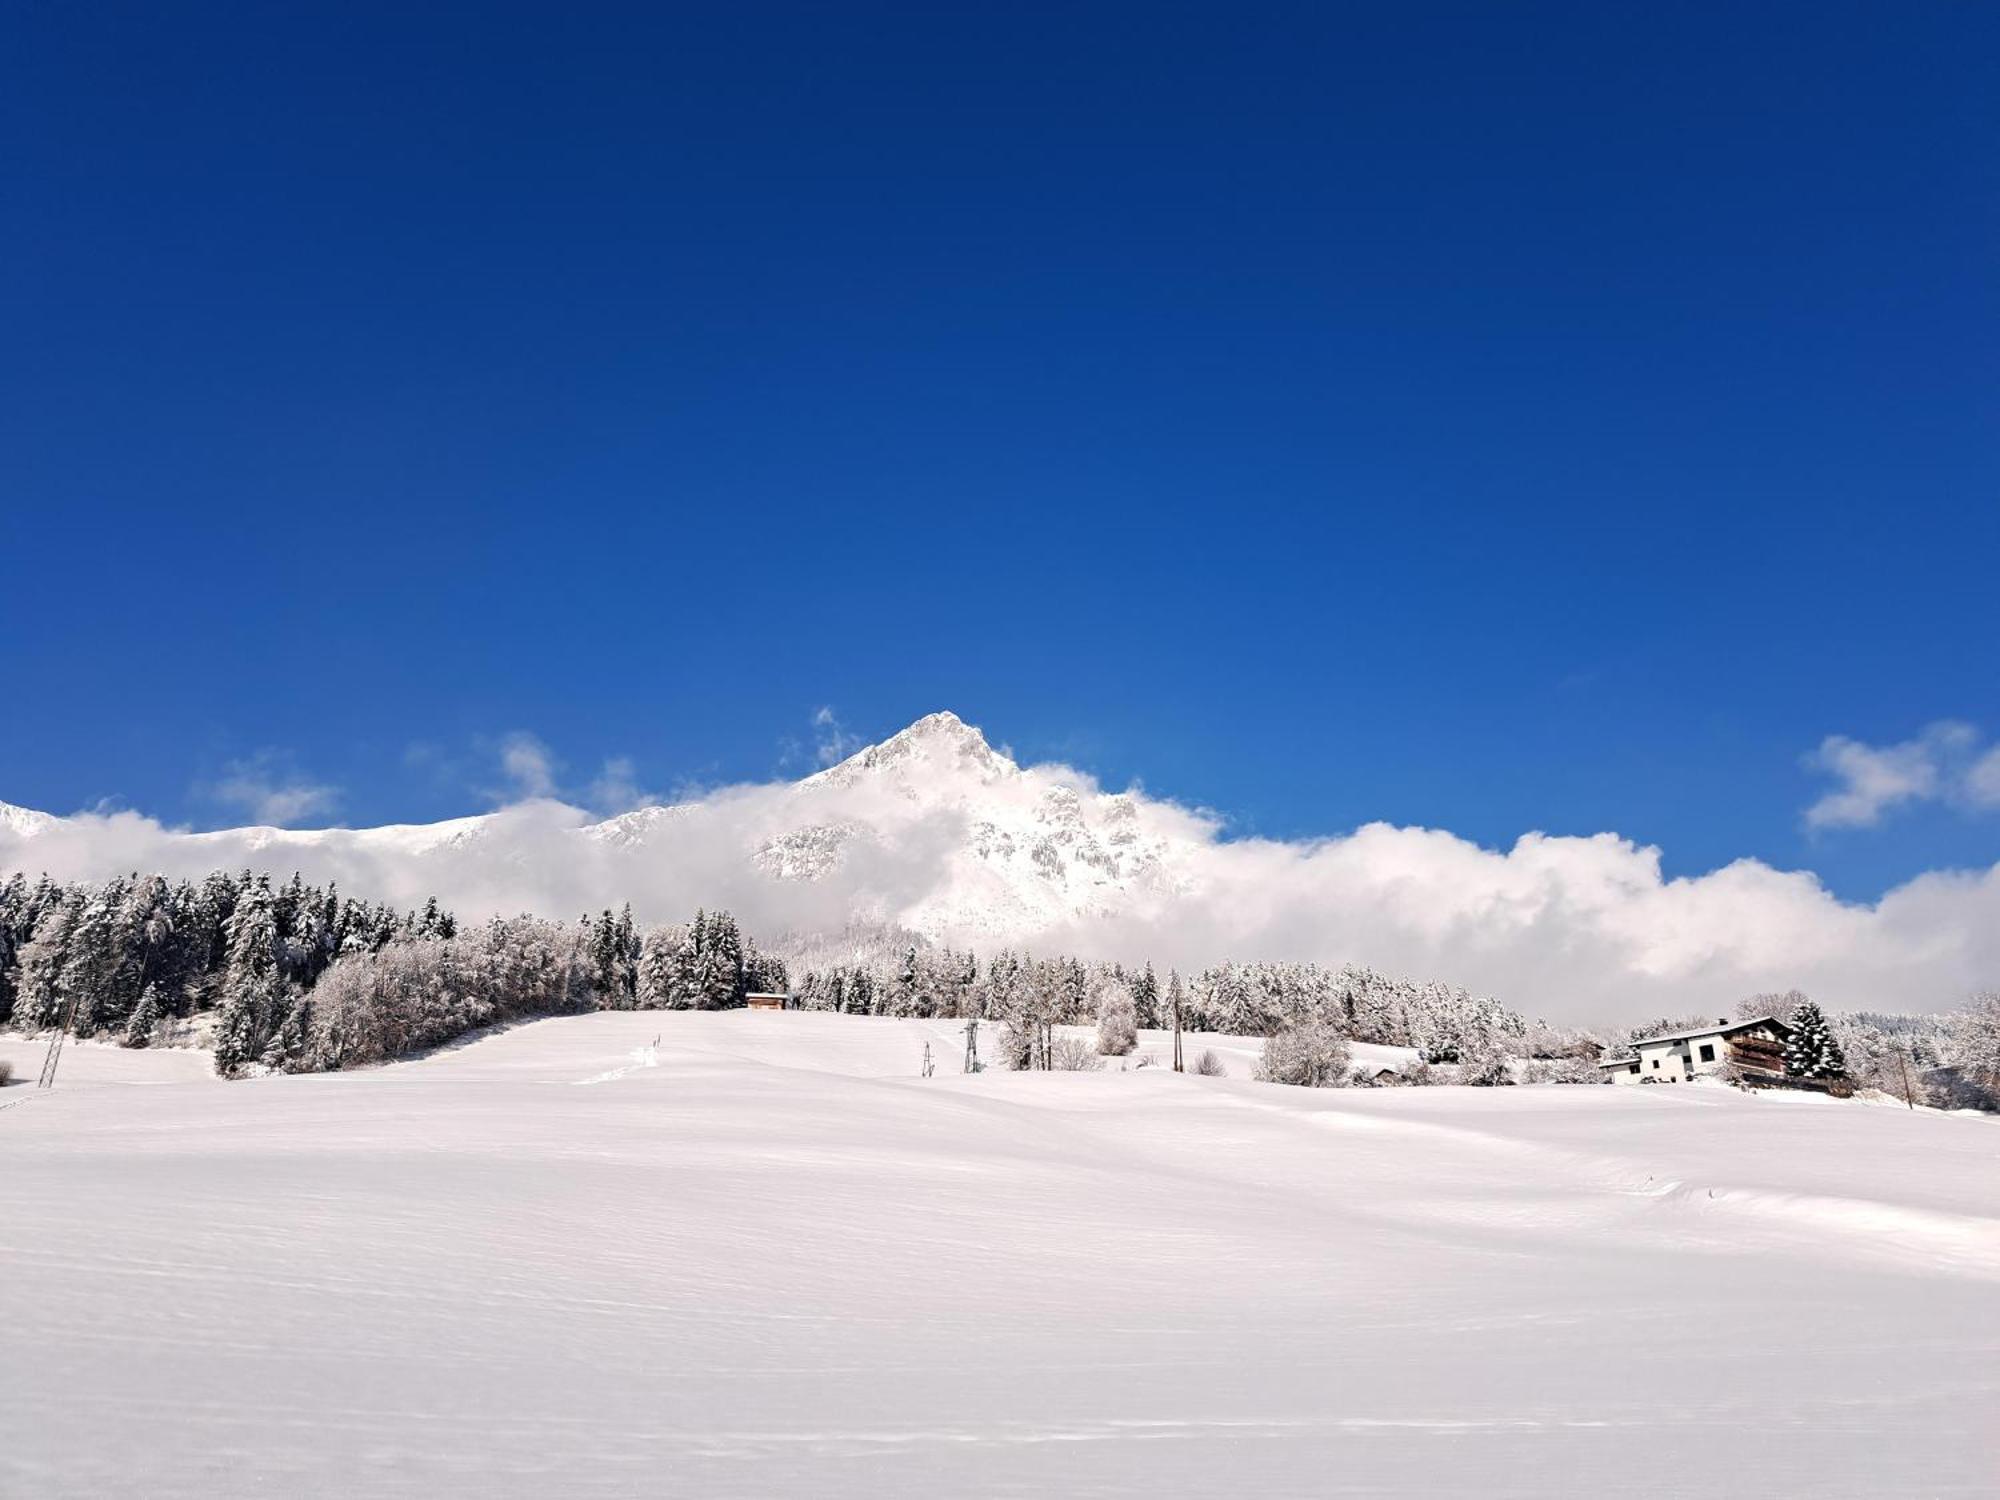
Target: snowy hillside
x,y
765,1257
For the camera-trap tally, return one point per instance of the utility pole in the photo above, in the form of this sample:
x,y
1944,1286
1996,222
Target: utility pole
x,y
1902,1067
928,1066
53,1057
972,1045
1177,1032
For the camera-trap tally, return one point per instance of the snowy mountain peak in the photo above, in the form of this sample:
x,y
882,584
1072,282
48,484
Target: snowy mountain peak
x,y
24,822
937,742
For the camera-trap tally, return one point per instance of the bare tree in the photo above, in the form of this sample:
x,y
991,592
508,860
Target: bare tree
x,y
1074,1054
1311,1054
1117,1020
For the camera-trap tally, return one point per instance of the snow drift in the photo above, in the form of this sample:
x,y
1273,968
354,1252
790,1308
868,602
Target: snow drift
x,y
766,1257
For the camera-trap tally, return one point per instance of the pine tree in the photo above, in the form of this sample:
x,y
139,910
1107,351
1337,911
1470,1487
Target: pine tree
x,y
13,899
287,1049
145,940
656,984
605,962
764,973
146,1017
1813,1051
626,976
860,998
250,984
38,1000
1146,998
720,961
90,966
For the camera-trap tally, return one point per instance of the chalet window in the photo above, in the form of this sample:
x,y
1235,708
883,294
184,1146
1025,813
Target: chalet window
x,y
1635,1065
1707,1052
1656,1063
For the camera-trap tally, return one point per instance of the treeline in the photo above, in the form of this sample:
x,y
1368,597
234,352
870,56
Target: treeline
x,y
296,978
421,992
131,956
1446,1024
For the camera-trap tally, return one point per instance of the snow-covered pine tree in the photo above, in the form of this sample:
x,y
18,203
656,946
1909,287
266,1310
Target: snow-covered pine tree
x,y
721,963
1146,998
146,1017
655,986
131,950
861,993
13,902
90,967
606,962
287,1050
436,922
628,958
38,999
250,983
905,989
763,972
1813,1051
1972,1040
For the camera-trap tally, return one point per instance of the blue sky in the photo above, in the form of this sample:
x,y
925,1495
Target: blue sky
x,y
1493,418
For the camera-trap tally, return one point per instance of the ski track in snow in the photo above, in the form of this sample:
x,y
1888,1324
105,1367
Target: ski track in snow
x,y
642,1057
773,1260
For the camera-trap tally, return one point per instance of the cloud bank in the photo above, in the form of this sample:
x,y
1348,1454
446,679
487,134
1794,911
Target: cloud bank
x,y
266,790
945,835
1945,763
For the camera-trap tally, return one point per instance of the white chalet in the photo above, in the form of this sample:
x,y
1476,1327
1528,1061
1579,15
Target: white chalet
x,y
1751,1050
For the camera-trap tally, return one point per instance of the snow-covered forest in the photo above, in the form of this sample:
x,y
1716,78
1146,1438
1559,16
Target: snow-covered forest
x,y
292,977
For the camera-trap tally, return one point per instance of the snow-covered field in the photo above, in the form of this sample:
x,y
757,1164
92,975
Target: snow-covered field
x,y
765,1258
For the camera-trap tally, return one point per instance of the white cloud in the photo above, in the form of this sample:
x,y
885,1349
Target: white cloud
x,y
1938,765
1982,781
616,789
1579,929
832,743
528,764
268,791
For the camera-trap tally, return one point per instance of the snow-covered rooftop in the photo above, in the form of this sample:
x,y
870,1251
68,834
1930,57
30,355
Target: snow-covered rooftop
x,y
1720,1028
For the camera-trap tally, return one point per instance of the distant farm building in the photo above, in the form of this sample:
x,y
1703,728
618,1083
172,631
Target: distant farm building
x,y
767,1002
1753,1051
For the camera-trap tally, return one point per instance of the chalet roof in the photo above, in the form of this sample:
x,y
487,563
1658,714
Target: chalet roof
x,y
1720,1028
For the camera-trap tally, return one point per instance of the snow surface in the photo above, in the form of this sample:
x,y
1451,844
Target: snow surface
x,y
760,1256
